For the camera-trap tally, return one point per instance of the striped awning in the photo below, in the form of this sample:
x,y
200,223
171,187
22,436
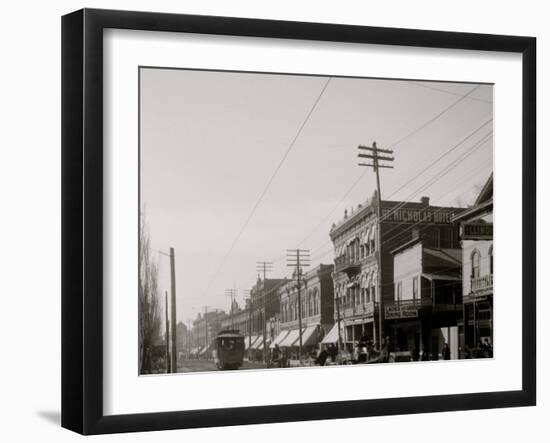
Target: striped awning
x,y
290,339
248,343
332,336
279,338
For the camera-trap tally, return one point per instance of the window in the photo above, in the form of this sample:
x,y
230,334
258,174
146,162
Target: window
x,y
371,240
399,291
476,259
415,288
491,259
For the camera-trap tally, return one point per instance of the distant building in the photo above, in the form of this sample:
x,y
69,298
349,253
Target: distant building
x,y
476,233
357,271
181,338
205,328
317,310
250,320
238,319
264,304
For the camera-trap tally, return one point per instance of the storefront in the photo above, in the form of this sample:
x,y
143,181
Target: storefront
x,y
476,234
422,320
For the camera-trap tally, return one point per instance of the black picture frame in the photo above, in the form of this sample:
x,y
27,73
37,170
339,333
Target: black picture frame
x,y
82,218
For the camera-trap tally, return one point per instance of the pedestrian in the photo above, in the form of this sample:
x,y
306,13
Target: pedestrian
x,y
446,351
321,357
416,353
276,356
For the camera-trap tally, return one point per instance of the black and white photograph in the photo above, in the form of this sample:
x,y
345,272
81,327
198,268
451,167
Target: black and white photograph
x,y
299,221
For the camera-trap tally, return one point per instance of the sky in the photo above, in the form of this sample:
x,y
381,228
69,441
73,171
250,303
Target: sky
x,y
238,167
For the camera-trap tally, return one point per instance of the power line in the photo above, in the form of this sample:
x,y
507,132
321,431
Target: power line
x,y
358,179
431,181
445,91
435,178
435,117
264,192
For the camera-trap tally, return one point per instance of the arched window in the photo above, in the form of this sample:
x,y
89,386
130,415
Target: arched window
x,y
372,236
491,259
476,260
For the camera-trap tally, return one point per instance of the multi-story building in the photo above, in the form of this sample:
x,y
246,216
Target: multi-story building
x,y
363,278
476,233
263,305
315,311
423,317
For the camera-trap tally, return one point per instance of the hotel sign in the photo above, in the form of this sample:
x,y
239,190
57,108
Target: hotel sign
x,y
417,215
401,311
477,231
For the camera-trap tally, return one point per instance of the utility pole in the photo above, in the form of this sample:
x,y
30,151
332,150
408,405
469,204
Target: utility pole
x,y
189,338
206,329
167,327
174,361
248,305
298,258
232,293
264,266
339,322
373,154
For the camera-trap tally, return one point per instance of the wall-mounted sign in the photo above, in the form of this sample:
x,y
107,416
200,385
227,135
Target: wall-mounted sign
x,y
440,216
477,231
401,311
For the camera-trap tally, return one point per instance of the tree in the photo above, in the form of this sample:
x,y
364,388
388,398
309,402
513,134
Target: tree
x,y
149,306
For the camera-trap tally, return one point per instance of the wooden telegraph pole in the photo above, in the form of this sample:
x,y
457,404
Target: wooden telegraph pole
x,y
298,258
264,266
174,360
232,293
373,154
167,328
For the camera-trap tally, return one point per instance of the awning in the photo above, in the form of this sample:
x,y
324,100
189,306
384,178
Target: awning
x,y
442,277
358,321
282,335
310,335
290,340
258,343
201,350
248,343
332,336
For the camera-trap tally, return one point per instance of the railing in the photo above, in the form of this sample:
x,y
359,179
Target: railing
x,y
482,283
362,309
343,264
292,324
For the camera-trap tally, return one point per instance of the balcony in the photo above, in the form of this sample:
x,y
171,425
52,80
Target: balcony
x,y
347,265
366,310
482,284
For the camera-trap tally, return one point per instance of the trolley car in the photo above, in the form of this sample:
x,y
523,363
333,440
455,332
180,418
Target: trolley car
x,y
229,350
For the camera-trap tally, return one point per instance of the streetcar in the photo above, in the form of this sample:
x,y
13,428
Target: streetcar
x,y
229,350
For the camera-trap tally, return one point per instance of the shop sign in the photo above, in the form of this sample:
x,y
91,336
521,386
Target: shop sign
x,y
401,311
477,231
417,215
